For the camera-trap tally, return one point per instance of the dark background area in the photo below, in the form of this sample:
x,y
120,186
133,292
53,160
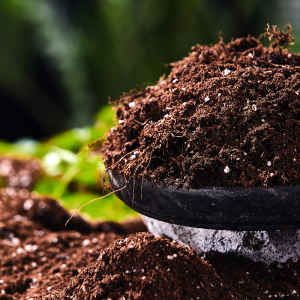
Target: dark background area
x,y
62,60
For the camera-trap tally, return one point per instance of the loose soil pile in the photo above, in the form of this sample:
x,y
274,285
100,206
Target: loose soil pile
x,y
40,258
227,115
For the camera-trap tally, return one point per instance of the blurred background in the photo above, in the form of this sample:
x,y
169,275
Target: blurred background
x,y
61,61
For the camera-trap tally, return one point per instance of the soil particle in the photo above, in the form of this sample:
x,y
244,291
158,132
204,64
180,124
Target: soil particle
x,y
227,115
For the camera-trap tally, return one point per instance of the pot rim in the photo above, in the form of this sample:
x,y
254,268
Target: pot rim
x,y
223,208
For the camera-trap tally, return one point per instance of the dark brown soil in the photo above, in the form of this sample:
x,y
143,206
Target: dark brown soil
x,y
40,258
20,173
227,115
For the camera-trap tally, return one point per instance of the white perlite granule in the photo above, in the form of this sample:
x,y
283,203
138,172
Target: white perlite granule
x,y
264,246
226,72
132,105
226,169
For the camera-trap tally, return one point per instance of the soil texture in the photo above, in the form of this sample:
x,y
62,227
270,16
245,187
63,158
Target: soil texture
x,y
40,258
227,115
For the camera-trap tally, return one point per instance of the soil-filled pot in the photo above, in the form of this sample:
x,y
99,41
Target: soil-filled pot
x,y
215,145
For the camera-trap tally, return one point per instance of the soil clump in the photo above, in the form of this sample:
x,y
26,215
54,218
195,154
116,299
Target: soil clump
x,y
227,115
40,258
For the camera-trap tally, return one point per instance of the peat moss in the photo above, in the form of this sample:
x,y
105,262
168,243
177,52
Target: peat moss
x,y
227,115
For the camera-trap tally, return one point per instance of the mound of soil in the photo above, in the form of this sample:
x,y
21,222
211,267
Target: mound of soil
x,y
112,261
227,115
40,258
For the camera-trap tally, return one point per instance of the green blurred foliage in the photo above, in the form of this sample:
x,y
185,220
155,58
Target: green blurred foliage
x,y
96,50
72,172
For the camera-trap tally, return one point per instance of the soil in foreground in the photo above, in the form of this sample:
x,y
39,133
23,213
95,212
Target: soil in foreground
x,y
40,258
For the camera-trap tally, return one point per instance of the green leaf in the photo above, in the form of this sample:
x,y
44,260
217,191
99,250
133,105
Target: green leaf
x,y
46,185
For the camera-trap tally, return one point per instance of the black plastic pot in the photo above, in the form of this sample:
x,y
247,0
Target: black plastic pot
x,y
214,208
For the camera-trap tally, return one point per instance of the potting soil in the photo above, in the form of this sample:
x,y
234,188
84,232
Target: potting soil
x,y
226,115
